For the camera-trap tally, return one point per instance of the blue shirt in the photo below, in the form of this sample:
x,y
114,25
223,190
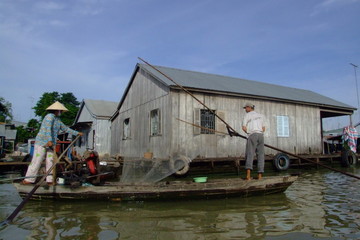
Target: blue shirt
x,y
50,128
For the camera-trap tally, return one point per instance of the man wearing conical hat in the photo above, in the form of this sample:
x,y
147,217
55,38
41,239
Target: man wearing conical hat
x,y
51,126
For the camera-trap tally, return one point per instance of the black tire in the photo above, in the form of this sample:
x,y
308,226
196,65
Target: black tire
x,y
182,160
281,162
348,158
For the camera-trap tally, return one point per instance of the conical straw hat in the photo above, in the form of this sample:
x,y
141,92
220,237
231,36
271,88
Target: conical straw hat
x,y
57,106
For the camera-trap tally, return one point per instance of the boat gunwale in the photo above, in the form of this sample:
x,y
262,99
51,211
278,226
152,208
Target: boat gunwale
x,y
164,190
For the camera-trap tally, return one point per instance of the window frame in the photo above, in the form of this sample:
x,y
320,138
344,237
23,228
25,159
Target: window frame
x,y
126,129
283,126
155,126
207,123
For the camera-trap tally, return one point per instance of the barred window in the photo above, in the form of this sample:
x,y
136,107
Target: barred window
x,y
207,120
155,126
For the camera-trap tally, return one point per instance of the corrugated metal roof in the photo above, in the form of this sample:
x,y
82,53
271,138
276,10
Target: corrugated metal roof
x,y
101,108
215,82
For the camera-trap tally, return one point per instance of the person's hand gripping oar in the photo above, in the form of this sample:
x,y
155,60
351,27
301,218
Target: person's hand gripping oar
x,y
37,185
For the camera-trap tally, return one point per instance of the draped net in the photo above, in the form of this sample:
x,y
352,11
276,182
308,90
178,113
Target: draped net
x,y
142,170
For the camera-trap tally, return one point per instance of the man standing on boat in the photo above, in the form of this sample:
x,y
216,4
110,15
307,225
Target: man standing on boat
x,y
45,142
254,126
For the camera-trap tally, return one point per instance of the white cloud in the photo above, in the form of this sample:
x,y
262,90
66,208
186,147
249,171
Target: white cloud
x,y
57,23
333,3
90,47
327,5
48,6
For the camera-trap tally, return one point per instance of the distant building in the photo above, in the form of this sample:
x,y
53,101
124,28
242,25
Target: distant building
x,y
93,120
18,124
8,133
149,113
333,139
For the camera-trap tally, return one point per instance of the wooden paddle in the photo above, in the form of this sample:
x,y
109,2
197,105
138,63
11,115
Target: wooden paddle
x,y
11,217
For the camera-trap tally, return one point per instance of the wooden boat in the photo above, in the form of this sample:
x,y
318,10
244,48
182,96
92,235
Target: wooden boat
x,y
213,188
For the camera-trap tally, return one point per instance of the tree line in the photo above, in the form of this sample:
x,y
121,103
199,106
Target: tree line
x,y
32,127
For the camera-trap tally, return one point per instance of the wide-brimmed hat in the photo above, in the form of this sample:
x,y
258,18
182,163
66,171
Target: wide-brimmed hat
x,y
249,104
57,106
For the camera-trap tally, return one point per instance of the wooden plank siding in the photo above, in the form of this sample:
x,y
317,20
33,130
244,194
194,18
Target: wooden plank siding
x,y
102,136
145,93
96,136
304,124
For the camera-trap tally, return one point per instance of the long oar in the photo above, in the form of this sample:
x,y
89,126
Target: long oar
x,y
192,95
288,153
235,132
37,185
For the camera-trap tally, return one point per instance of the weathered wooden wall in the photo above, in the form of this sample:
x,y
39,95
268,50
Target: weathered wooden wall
x,y
86,139
146,94
305,126
97,137
102,136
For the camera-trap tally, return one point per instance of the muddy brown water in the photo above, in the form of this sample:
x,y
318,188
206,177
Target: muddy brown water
x,y
320,205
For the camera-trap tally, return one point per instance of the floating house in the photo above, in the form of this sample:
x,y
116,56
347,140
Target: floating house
x,y
93,120
156,115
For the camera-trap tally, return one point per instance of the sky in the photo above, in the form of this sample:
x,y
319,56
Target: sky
x,y
91,47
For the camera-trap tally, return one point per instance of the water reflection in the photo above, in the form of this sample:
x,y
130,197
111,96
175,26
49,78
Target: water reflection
x,y
56,220
342,201
319,205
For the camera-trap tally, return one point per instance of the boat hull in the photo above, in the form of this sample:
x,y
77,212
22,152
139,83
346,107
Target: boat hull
x,y
213,188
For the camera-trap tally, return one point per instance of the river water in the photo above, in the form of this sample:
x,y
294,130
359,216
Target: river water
x,y
320,205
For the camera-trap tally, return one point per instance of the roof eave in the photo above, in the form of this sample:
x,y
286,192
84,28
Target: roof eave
x,y
348,110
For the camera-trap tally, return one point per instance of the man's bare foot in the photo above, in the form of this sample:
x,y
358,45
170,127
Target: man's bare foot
x,y
24,182
248,174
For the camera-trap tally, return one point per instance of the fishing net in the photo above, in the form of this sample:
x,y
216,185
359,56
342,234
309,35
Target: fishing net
x,y
142,170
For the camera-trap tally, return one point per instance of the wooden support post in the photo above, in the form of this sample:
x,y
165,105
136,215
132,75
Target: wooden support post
x,y
237,164
317,161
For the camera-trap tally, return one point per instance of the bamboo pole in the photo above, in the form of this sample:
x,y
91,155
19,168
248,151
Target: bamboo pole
x,y
11,217
289,153
192,95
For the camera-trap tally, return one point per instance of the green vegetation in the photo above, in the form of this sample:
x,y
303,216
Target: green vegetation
x,y
48,98
5,110
69,101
